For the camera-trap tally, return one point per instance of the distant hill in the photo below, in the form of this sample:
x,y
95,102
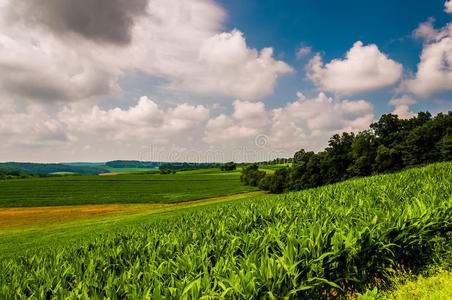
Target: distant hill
x,y
184,165
83,164
50,168
133,164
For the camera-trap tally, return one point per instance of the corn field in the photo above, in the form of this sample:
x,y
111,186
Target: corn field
x,y
321,242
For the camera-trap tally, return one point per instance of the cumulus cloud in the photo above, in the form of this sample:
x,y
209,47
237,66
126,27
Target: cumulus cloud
x,y
309,122
101,20
448,6
68,50
31,126
247,121
229,67
143,122
434,71
364,68
402,107
426,30
304,123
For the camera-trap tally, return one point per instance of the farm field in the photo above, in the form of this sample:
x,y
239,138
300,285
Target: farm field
x,y
62,225
120,189
328,241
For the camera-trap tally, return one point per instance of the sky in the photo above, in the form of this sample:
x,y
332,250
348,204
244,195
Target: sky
x,y
212,80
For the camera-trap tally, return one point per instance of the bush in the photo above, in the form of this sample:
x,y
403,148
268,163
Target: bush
x,y
230,166
251,175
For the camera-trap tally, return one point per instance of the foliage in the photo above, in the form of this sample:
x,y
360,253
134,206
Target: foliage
x,y
128,188
315,243
16,174
188,166
251,175
438,286
229,166
390,145
50,168
132,164
166,172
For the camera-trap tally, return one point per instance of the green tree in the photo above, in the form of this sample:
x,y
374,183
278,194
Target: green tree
x,y
229,166
364,152
251,175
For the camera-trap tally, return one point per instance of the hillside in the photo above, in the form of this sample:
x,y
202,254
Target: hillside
x,y
50,168
328,241
130,188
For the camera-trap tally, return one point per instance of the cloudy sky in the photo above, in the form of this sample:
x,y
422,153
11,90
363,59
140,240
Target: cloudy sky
x,y
212,80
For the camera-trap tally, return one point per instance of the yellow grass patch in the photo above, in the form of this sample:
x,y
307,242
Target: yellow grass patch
x,y
16,216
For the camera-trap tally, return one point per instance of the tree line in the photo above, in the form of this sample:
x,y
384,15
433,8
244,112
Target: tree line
x,y
39,168
16,174
391,144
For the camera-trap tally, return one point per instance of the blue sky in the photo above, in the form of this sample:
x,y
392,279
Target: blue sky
x,y
332,27
188,78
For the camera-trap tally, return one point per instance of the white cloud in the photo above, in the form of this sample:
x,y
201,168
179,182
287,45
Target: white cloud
x,y
364,68
404,100
145,121
309,123
303,51
32,126
121,132
434,72
448,6
228,67
180,41
426,31
247,121
251,114
304,123
402,107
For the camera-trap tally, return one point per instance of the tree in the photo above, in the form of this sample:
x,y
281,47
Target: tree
x,y
229,166
338,157
251,175
364,152
445,146
386,159
387,129
390,145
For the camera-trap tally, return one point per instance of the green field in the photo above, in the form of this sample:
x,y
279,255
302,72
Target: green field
x,y
327,241
130,188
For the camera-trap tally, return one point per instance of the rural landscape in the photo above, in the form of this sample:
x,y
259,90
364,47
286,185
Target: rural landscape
x,y
150,151
210,231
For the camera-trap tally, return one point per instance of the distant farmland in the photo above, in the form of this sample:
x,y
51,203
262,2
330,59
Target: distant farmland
x,y
130,188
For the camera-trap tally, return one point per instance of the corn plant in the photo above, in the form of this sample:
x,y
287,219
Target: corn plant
x,y
316,243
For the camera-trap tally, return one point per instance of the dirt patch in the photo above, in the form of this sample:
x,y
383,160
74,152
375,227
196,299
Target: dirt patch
x,y
10,217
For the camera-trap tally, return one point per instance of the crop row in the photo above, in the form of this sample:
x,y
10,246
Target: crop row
x,y
117,189
329,240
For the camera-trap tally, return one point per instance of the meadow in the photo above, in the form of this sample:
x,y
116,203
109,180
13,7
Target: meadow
x,y
129,188
328,241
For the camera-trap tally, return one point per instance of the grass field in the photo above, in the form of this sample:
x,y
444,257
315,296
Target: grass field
x,y
270,169
329,241
93,189
79,227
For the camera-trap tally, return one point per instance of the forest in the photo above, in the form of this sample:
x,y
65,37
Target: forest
x,y
391,144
